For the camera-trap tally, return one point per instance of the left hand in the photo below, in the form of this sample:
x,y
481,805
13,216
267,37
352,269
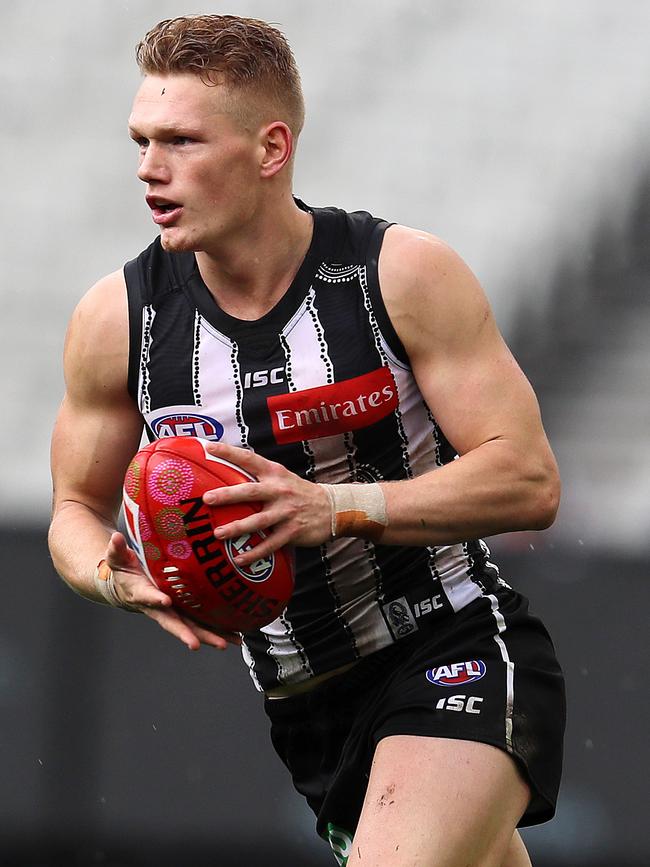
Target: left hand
x,y
294,511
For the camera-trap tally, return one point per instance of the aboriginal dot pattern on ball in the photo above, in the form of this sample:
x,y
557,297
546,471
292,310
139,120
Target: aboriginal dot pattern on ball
x,y
132,479
171,481
151,551
169,523
180,550
144,526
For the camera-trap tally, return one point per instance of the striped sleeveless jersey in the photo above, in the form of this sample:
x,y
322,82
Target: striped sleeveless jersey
x,y
321,384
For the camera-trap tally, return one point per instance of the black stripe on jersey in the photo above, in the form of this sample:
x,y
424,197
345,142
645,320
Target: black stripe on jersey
x,y
481,570
318,592
374,291
445,452
252,413
136,292
171,353
380,451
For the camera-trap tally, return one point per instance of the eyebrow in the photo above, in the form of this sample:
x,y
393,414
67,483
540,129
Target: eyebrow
x,y
166,129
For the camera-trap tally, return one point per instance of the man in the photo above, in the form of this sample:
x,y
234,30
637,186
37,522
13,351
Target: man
x,y
337,358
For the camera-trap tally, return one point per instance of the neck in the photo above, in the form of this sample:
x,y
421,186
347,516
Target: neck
x,y
248,274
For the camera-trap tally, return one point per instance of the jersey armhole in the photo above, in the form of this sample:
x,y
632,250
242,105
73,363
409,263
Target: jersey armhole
x,y
383,319
136,302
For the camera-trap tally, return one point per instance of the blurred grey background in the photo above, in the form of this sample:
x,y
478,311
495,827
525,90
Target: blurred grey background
x,y
518,132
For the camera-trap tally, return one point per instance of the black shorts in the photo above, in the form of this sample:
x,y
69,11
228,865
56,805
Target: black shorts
x,y
489,675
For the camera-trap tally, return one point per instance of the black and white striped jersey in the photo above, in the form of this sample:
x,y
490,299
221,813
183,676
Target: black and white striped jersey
x,y
321,384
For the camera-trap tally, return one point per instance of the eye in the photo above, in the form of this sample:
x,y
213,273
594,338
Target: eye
x,y
141,141
182,140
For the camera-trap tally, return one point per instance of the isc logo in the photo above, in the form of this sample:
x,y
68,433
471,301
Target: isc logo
x,y
257,378
460,703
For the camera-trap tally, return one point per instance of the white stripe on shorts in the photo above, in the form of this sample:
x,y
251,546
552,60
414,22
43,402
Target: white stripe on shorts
x,y
510,668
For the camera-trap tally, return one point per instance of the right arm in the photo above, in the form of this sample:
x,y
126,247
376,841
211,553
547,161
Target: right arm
x,y
97,432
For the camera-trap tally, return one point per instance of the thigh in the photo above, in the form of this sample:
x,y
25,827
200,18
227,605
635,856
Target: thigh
x,y
438,802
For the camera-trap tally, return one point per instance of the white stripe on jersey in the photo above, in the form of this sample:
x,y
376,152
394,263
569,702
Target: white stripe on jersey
x,y
219,383
332,461
510,669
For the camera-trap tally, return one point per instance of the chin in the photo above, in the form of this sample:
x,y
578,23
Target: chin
x,y
176,242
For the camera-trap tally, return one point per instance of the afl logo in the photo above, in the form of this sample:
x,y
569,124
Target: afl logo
x,y
458,673
187,425
258,571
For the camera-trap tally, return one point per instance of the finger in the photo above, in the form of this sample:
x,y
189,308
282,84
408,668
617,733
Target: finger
x,y
120,556
172,623
214,638
117,547
144,594
245,492
251,524
273,542
244,458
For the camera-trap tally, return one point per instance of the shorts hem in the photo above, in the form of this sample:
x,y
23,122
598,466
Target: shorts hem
x,y
536,815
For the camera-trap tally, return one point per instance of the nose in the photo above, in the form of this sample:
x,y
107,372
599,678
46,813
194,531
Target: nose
x,y
152,166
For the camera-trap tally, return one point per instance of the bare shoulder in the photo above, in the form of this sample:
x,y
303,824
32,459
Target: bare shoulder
x,y
97,342
429,291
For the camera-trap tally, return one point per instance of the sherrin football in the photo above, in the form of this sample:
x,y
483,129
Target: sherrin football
x,y
171,531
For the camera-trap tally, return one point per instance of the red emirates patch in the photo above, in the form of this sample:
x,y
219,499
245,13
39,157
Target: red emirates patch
x,y
333,409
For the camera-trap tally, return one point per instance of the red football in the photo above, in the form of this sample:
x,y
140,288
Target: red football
x,y
171,530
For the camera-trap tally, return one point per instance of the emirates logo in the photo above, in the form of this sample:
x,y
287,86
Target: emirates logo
x,y
333,409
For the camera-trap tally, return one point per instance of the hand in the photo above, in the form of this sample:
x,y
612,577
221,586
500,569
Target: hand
x,y
294,511
135,589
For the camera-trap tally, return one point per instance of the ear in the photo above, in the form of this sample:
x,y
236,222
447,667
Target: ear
x,y
277,142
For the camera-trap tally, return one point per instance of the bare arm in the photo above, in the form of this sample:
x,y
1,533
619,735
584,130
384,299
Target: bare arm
x,y
97,432
506,478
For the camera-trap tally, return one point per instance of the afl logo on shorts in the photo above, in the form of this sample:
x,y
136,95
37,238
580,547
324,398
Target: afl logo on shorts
x,y
187,425
458,673
258,571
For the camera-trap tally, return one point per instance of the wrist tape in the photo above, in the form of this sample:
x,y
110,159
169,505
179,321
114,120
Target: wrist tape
x,y
105,583
357,510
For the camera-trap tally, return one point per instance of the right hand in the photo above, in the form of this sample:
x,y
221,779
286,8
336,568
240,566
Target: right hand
x,y
135,589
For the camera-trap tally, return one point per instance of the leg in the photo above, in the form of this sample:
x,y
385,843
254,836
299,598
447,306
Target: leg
x,y
436,802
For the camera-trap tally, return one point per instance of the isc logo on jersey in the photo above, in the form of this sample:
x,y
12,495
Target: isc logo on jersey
x,y
457,673
187,425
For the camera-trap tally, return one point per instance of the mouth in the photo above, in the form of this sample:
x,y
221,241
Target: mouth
x,y
163,211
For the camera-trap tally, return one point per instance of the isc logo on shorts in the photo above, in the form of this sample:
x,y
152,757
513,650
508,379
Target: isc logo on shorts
x,y
457,673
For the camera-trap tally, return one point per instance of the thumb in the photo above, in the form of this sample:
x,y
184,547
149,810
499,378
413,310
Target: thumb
x,y
119,555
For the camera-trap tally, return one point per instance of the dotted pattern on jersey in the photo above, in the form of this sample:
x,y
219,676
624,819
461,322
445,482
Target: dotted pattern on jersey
x,y
148,315
196,354
311,463
337,273
239,394
379,343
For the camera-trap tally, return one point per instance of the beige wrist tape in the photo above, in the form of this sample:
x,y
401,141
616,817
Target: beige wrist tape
x,y
105,583
357,510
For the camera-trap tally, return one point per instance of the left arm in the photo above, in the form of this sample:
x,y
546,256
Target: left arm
x,y
506,477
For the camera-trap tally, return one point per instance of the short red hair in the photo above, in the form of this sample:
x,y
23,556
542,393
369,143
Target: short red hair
x,y
250,57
